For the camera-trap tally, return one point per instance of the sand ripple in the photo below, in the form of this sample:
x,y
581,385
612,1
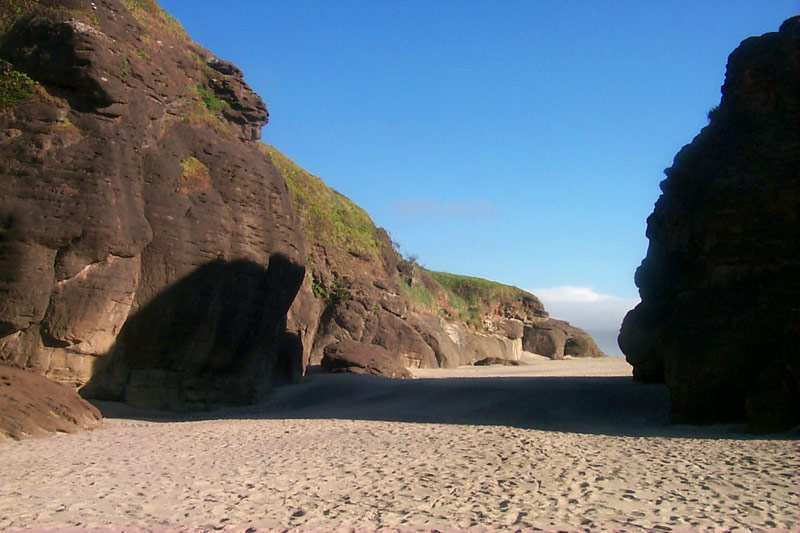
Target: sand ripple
x,y
329,474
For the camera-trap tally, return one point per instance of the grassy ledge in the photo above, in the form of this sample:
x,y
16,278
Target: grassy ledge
x,y
149,15
327,216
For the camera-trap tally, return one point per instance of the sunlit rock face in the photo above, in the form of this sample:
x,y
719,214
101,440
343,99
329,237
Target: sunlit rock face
x,y
148,251
719,320
34,406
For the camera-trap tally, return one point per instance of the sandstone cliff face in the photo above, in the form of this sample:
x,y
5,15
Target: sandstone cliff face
x,y
148,252
359,293
150,248
719,319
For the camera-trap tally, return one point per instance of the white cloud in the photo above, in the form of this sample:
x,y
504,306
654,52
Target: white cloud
x,y
571,293
428,208
599,314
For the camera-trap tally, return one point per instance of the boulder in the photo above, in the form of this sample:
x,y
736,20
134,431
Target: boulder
x,y
557,338
718,321
32,405
360,358
488,361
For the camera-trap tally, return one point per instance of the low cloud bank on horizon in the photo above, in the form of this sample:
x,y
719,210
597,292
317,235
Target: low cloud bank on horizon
x,y
599,314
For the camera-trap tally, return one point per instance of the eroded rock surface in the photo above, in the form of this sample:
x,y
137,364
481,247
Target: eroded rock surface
x,y
148,252
719,320
358,288
33,406
557,338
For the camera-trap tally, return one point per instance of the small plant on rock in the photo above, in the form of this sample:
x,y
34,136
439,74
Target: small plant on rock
x,y
211,101
195,176
15,87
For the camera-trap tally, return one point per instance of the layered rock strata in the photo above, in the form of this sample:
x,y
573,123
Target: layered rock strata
x,y
719,320
148,252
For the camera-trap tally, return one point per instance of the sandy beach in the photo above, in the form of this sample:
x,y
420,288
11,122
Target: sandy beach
x,y
552,445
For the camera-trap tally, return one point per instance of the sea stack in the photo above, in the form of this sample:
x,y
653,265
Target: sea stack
x,y
719,320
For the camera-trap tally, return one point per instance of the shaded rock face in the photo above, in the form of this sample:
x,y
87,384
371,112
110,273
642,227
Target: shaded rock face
x,y
720,285
359,358
145,243
557,338
208,339
33,406
496,361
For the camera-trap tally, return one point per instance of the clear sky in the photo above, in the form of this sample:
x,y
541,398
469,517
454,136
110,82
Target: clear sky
x,y
519,141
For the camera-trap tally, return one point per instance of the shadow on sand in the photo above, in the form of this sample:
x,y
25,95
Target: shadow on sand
x,y
615,406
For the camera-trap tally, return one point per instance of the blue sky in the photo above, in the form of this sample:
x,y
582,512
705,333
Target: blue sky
x,y
520,141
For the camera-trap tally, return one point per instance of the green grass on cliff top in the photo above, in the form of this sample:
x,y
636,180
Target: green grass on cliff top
x,y
148,13
333,220
477,290
328,217
474,299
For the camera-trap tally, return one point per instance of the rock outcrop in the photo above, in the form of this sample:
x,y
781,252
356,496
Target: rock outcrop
x,y
33,406
719,320
556,339
150,248
148,252
358,288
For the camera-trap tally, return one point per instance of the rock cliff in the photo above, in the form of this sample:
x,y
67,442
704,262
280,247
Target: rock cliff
x,y
151,248
148,251
359,289
719,319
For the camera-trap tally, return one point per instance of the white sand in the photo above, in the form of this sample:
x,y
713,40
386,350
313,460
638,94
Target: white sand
x,y
354,452
537,365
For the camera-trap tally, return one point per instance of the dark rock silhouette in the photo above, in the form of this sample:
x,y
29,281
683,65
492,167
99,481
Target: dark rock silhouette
x,y
719,319
137,210
496,361
33,406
